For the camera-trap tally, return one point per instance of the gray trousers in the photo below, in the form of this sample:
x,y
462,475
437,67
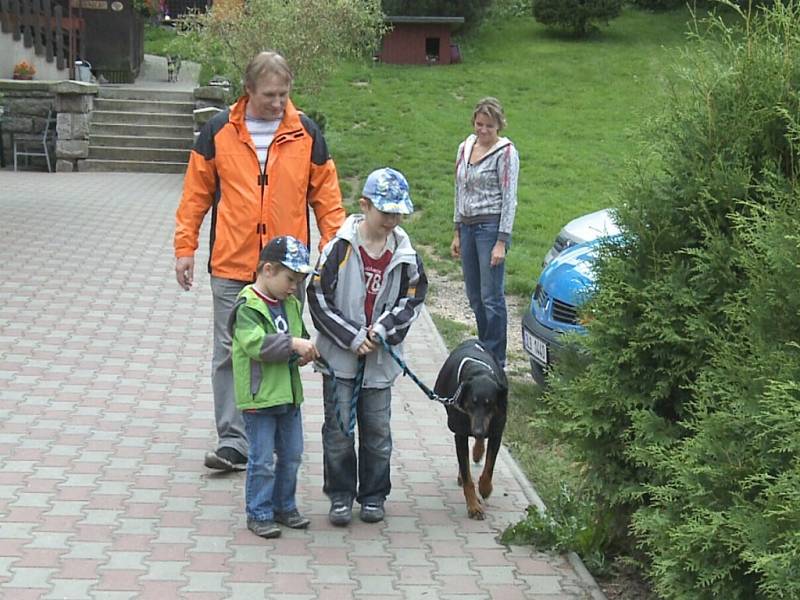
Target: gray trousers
x,y
230,425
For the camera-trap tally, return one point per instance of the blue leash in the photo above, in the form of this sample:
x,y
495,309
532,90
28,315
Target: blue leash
x,y
425,389
358,381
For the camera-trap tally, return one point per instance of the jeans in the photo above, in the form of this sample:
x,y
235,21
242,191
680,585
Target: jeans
x,y
485,286
230,427
276,450
346,476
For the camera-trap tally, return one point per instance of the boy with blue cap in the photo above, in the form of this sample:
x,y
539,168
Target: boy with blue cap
x,y
269,343
369,288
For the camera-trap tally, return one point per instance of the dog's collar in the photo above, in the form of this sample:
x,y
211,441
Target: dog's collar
x,y
456,400
468,359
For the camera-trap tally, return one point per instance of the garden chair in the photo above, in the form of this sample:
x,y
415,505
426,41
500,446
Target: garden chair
x,y
37,144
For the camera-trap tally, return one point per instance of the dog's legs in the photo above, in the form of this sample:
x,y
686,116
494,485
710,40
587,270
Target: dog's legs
x,y
485,481
474,509
477,450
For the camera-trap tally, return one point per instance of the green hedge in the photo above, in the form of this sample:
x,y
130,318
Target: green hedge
x,y
687,414
578,17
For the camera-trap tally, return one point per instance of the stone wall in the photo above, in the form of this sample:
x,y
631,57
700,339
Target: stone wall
x,y
25,104
74,103
208,101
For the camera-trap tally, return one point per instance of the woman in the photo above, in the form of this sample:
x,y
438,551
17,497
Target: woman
x,y
487,169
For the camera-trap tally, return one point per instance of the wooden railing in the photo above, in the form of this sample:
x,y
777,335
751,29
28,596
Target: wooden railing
x,y
44,26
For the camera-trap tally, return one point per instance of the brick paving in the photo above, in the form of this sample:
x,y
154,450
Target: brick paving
x,y
106,412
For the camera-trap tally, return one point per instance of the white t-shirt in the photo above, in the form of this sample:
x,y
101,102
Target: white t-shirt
x,y
262,132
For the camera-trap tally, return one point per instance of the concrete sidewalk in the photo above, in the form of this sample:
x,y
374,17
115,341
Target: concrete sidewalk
x,y
106,412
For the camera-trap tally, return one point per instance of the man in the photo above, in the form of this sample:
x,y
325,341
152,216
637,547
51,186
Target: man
x,y
258,165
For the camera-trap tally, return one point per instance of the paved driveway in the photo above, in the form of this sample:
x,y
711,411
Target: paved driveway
x,y
106,412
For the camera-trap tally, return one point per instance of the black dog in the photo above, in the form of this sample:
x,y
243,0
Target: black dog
x,y
480,387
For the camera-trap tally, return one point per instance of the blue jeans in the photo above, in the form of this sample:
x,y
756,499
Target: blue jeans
x,y
485,285
365,477
276,450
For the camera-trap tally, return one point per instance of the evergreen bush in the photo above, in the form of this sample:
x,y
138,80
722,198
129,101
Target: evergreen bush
x,y
579,17
687,413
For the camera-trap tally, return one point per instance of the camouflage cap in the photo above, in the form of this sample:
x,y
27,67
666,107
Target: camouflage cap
x,y
388,191
288,251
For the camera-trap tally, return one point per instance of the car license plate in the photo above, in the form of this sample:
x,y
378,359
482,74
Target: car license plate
x,y
535,346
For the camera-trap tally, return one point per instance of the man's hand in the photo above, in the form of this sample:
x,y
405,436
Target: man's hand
x,y
184,271
305,349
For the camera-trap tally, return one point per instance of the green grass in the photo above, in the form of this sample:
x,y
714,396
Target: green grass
x,y
573,108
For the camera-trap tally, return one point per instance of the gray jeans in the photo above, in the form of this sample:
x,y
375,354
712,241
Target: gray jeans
x,y
230,426
364,476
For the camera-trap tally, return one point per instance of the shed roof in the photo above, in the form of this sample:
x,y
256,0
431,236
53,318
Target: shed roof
x,y
425,20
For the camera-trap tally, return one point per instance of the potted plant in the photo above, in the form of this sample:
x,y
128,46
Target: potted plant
x,y
24,70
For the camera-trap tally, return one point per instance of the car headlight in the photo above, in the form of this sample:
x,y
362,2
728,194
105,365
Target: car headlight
x,y
562,243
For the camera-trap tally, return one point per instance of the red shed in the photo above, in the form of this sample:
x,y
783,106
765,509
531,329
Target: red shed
x,y
420,40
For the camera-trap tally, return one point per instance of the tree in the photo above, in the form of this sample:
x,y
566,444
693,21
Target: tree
x,y
686,411
577,16
311,34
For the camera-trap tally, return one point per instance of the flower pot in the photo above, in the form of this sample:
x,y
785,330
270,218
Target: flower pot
x,y
23,76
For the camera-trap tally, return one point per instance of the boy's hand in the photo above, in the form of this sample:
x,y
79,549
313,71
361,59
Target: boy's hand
x,y
366,347
371,343
305,349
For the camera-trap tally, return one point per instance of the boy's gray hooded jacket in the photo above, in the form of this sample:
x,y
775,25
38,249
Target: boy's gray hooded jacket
x,y
336,297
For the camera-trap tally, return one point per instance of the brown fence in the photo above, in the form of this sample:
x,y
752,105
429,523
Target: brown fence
x,y
42,24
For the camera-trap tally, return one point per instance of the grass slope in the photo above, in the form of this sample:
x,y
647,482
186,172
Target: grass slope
x,y
573,109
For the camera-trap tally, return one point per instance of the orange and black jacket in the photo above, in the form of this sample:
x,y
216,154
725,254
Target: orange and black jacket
x,y
249,206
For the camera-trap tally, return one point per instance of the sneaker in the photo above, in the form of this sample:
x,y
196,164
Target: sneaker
x,y
341,513
292,519
265,529
372,512
226,459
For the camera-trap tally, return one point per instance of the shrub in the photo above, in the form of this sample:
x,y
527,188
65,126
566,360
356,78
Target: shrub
x,y
687,413
576,16
659,4
313,35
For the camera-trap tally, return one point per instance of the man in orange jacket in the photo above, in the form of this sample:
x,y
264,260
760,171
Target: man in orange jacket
x,y
260,166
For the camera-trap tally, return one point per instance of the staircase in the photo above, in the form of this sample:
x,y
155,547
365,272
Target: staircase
x,y
136,129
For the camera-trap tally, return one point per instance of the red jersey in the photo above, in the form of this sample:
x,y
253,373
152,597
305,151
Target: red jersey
x,y
374,268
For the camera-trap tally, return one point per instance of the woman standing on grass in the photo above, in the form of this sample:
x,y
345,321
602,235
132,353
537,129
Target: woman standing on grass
x,y
487,169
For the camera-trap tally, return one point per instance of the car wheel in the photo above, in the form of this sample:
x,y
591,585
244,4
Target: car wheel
x,y
539,374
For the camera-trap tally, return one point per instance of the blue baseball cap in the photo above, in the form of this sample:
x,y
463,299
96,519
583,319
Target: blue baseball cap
x,y
387,189
288,251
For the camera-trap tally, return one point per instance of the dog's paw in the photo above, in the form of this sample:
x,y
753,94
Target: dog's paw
x,y
476,512
485,487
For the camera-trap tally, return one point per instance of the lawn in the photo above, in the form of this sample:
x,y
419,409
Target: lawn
x,y
573,107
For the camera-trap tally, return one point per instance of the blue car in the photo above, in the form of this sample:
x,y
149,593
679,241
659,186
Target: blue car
x,y
565,283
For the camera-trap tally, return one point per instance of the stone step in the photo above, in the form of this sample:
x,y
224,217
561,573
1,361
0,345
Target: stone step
x,y
135,93
141,141
134,118
139,154
144,106
131,166
136,129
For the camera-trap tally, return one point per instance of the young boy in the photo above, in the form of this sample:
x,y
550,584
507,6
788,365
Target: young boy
x,y
370,285
269,343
